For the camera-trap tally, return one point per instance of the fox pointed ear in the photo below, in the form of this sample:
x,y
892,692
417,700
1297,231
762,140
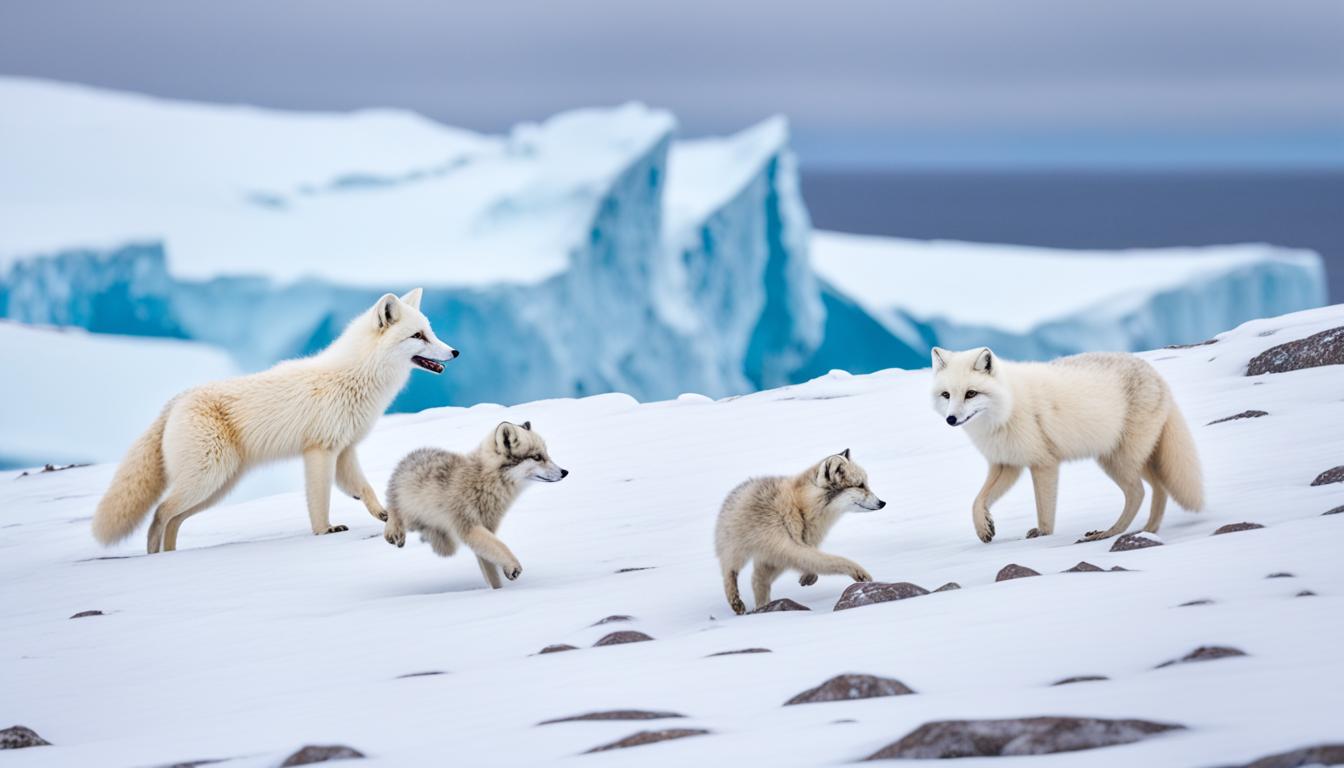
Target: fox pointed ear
x,y
826,474
506,437
939,358
984,361
527,425
387,310
412,298
844,453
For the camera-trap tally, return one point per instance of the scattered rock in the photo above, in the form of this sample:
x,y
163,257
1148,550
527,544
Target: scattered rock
x,y
1204,653
1201,601
1080,679
429,673
1014,571
622,637
1324,348
632,570
1332,475
321,754
1204,343
870,592
1119,569
1235,527
198,763
1140,540
847,687
1305,593
51,468
85,614
1026,736
21,737
1085,567
650,737
613,619
743,650
1281,575
557,648
615,714
1235,416
782,604
1334,511
1325,754
948,587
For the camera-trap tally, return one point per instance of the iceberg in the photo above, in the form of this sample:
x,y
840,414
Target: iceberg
x,y
902,297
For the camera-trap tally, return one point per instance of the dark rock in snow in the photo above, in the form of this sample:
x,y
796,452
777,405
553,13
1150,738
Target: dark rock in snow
x,y
1305,593
429,673
615,714
1324,754
1139,540
1119,569
1236,416
782,604
622,637
1324,348
51,468
1334,511
1204,653
21,737
632,570
1025,736
948,587
650,737
847,687
1235,527
1080,679
1014,571
614,619
1201,601
741,651
86,614
870,592
1085,567
557,648
1204,343
321,754
1281,575
1329,476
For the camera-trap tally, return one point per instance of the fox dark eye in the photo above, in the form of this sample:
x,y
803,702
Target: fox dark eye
x,y
419,335
971,393
536,457
946,395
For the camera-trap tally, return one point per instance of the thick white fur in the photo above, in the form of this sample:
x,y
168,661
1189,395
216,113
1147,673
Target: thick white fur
x,y
318,407
1114,408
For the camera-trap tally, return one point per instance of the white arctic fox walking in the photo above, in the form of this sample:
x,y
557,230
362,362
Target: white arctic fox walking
x,y
778,522
451,497
318,407
1112,407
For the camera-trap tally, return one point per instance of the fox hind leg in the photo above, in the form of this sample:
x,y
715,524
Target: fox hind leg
x,y
730,572
1159,506
1127,477
762,576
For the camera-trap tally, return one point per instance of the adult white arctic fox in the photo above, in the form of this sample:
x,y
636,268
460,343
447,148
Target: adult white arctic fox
x,y
451,497
1114,408
319,407
778,522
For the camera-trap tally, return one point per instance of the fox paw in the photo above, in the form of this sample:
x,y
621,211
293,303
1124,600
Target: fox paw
x,y
859,574
380,515
985,529
1095,536
513,572
738,606
807,579
336,529
1033,533
395,538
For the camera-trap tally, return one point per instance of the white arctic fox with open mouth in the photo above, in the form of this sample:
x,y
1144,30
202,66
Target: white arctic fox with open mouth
x,y
319,407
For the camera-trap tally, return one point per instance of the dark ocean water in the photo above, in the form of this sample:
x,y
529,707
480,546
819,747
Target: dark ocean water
x,y
1091,209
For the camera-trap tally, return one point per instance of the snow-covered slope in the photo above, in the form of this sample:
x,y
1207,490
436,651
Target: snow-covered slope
x,y
257,638
1037,303
72,396
544,253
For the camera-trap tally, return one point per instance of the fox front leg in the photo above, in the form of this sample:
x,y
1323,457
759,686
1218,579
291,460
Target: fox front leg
x,y
350,479
319,469
1001,477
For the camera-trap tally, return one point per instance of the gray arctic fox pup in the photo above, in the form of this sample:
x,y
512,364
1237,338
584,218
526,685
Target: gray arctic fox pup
x,y
452,497
778,522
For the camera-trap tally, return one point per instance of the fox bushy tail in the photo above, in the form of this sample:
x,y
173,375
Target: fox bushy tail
x,y
1176,463
138,483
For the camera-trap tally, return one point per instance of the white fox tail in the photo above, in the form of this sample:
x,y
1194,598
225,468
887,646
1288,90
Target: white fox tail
x,y
1176,463
137,484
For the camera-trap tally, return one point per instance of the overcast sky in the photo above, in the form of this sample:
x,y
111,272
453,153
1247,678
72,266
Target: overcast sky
x,y
863,81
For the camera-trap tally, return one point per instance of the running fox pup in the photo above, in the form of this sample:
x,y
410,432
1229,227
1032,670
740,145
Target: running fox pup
x,y
319,407
451,497
1114,408
778,523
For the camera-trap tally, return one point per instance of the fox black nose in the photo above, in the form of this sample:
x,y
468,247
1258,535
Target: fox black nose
x,y
564,473
881,503
456,353
952,420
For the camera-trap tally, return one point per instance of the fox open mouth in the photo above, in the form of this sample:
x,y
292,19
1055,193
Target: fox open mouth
x,y
433,366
